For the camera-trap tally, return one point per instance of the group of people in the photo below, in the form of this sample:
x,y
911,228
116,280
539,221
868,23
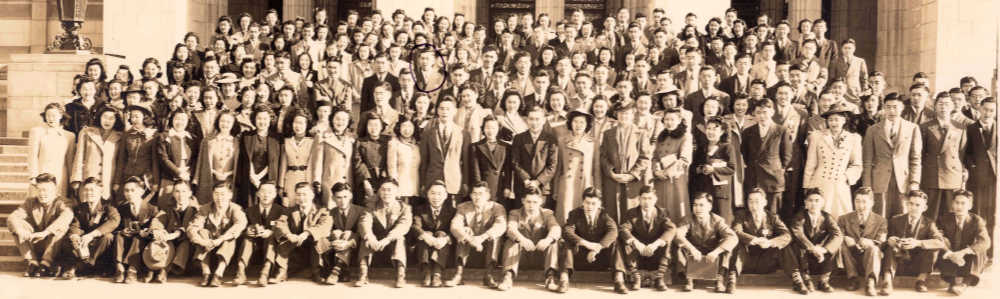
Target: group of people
x,y
620,146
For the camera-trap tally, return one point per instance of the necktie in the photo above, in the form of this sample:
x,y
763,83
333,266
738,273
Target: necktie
x,y
892,131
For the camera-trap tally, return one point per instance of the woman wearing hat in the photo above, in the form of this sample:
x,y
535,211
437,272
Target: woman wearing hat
x,y
834,161
671,157
137,151
576,164
51,147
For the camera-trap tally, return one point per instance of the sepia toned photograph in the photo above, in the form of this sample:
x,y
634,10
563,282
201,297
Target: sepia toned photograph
x,y
431,148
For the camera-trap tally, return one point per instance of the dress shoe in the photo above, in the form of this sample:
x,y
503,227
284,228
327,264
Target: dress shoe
x,y
920,286
661,285
563,282
854,285
332,279
147,277
550,282
280,277
620,284
688,285
264,273
400,281
161,277
436,280
69,273
809,285
886,288
801,288
427,278
488,280
132,276
362,277
958,288
870,287
825,286
507,282
720,284
636,281
205,279
731,282
216,281
241,278
31,270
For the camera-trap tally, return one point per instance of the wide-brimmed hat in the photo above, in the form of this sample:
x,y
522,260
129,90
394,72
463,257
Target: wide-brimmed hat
x,y
134,88
157,255
141,108
839,108
576,113
227,78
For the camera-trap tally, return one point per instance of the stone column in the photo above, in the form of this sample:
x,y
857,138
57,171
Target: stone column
x,y
804,9
292,9
555,8
416,8
677,9
38,35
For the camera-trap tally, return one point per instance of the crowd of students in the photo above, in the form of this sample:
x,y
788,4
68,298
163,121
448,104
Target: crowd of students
x,y
613,145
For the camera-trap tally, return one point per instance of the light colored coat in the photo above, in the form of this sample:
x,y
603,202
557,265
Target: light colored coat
x,y
95,157
899,157
331,161
51,152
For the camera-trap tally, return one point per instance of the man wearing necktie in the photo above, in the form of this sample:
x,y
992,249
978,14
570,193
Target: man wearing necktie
x,y
382,75
344,237
590,235
90,233
300,232
943,151
980,160
535,157
912,246
532,240
967,242
891,158
383,229
764,240
817,239
477,226
705,237
646,233
431,225
864,233
136,216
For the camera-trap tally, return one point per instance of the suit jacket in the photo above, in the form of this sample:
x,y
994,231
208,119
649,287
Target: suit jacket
x,y
634,226
874,228
227,227
440,158
95,157
294,221
716,234
368,89
981,156
31,217
492,167
170,219
853,70
603,231
772,228
424,220
176,153
973,233
732,86
910,114
787,53
348,223
141,219
766,159
273,154
105,219
268,219
943,153
534,161
825,233
899,158
394,218
468,222
544,226
925,231
694,102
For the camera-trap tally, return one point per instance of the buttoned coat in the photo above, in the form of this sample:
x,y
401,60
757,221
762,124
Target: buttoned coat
x,y
884,158
942,156
95,157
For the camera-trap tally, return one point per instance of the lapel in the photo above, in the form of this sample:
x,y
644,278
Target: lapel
x,y
882,135
39,214
103,145
935,129
217,222
766,139
342,145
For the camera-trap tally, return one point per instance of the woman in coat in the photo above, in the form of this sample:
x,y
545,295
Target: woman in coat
x,y
671,157
136,154
576,165
96,148
490,164
510,119
369,161
332,153
296,151
177,153
712,167
402,160
206,118
218,155
52,147
834,161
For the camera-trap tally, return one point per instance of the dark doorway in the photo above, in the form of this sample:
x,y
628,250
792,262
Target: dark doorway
x,y
593,10
504,8
256,8
747,10
363,7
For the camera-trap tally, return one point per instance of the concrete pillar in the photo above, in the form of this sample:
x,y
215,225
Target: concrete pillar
x,y
202,16
804,9
555,8
39,22
416,8
292,9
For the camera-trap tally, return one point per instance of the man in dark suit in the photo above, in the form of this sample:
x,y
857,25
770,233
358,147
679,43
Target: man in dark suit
x,y
864,234
260,154
764,240
441,148
766,151
169,226
478,226
706,89
535,157
300,233
916,110
382,75
90,233
705,237
980,160
966,244
646,234
590,235
541,81
136,215
942,171
739,82
817,239
260,232
912,246
344,234
432,231
786,48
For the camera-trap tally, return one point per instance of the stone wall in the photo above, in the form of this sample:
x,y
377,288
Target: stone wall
x,y
29,26
35,80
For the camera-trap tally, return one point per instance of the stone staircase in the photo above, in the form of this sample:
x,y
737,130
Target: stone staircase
x,y
13,190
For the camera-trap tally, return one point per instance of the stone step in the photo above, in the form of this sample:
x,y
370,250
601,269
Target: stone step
x,y
13,141
3,219
9,205
7,248
14,177
14,149
11,264
14,167
13,158
5,234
